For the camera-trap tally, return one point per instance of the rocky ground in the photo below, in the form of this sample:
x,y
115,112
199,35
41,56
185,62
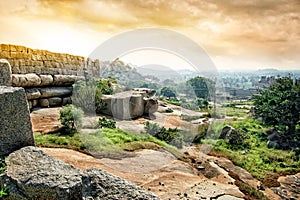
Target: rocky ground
x,y
197,176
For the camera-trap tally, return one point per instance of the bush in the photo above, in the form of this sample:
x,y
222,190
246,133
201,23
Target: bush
x,y
169,110
171,136
87,95
71,117
107,123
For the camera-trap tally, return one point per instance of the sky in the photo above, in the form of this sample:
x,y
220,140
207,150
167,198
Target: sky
x,y
236,34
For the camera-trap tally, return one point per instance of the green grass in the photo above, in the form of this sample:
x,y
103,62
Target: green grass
x,y
260,160
233,112
3,192
72,141
105,141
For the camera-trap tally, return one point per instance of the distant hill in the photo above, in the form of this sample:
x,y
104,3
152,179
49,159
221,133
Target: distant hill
x,y
119,70
161,72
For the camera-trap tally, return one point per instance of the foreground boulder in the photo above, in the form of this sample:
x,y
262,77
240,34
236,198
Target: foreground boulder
x,y
100,185
32,174
15,124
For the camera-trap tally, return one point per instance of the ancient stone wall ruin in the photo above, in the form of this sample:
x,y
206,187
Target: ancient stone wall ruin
x,y
46,76
25,60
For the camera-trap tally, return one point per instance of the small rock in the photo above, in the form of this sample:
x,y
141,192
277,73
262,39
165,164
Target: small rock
x,y
200,167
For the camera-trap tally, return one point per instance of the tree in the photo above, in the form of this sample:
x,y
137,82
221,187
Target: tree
x,y
71,118
203,87
279,106
168,92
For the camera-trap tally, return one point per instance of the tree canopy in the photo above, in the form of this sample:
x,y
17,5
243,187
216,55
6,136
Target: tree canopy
x,y
168,92
203,87
279,105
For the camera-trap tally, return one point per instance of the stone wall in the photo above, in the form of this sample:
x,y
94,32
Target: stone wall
x,y
46,76
25,60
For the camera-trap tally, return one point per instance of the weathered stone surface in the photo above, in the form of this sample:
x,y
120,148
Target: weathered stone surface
x,y
100,185
32,93
148,91
46,80
5,73
33,80
26,80
55,92
15,124
66,100
64,80
225,132
25,60
151,106
289,187
55,101
119,105
32,174
44,103
128,105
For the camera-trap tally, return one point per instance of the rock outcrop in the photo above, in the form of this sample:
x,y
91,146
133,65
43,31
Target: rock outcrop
x,y
100,185
32,174
129,105
289,187
15,124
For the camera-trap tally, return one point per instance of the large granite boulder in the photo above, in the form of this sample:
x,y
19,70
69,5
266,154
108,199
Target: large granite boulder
x,y
5,73
129,105
32,174
100,185
15,124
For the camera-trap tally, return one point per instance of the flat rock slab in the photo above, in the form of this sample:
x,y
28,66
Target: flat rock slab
x,y
140,162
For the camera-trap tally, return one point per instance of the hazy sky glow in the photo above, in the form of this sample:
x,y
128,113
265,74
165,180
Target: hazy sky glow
x,y
237,34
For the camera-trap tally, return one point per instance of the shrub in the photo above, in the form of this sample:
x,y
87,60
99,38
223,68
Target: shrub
x,y
87,95
171,136
169,110
71,117
108,123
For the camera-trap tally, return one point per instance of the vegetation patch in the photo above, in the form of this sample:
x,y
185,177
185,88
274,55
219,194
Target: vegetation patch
x,y
256,157
103,142
3,189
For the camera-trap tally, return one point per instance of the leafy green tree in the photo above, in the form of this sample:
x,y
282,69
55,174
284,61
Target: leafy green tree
x,y
203,87
168,92
279,106
71,118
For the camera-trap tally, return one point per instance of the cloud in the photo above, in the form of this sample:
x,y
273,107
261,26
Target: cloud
x,y
261,28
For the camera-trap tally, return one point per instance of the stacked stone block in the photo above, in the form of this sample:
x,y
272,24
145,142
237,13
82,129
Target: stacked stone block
x,y
25,60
